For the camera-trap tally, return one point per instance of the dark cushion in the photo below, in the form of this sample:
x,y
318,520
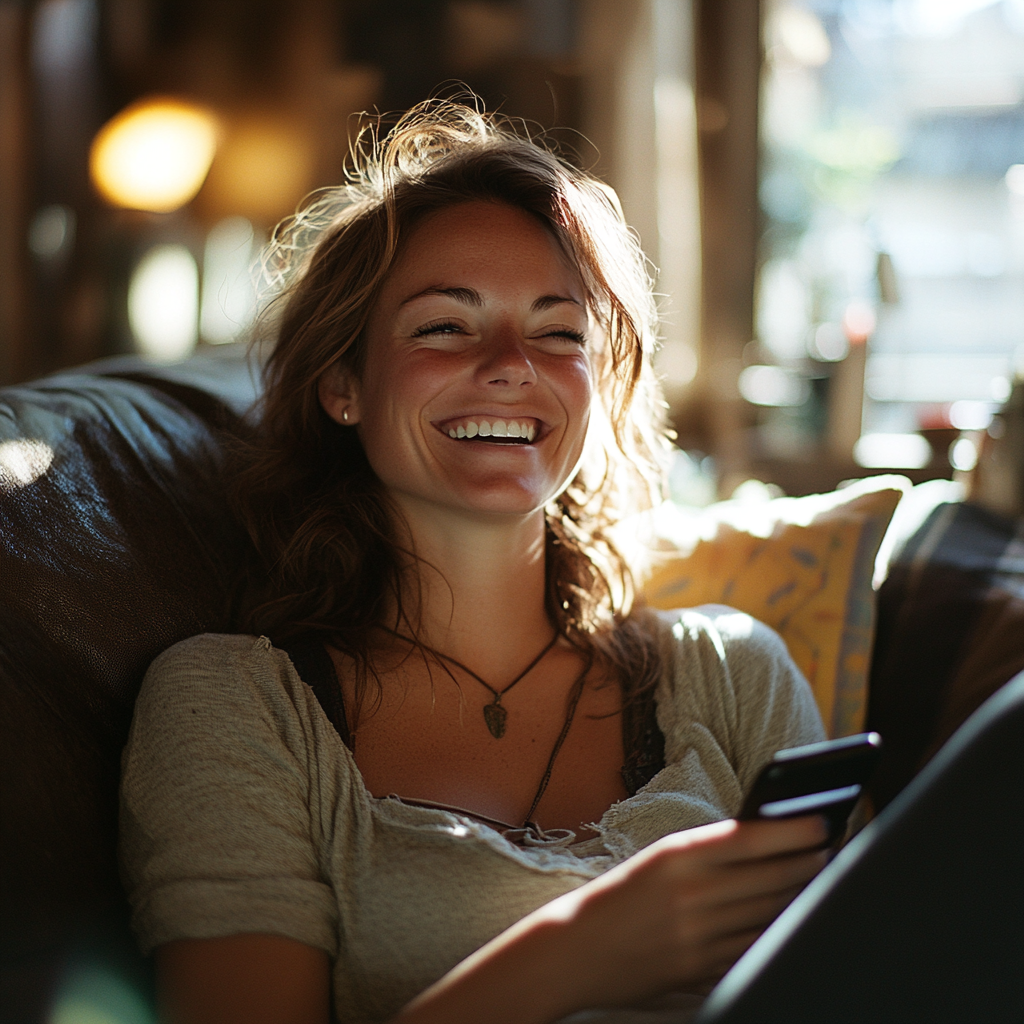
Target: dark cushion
x,y
115,542
950,632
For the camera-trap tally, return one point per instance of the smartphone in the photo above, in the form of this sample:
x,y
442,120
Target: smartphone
x,y
820,778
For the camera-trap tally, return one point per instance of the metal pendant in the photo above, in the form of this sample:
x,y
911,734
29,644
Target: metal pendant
x,y
494,716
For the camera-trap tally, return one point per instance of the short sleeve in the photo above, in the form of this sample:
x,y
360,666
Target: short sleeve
x,y
219,823
729,697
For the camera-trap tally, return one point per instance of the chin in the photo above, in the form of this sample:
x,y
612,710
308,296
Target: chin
x,y
501,494
512,502
500,507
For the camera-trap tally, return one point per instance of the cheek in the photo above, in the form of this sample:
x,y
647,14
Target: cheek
x,y
383,396
376,428
580,409
580,391
400,386
392,400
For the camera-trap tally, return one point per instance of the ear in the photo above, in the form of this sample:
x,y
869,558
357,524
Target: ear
x,y
338,391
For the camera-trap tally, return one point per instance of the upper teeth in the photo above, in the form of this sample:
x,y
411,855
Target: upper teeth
x,y
497,428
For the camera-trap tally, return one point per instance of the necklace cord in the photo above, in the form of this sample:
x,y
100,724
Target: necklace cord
x,y
575,694
498,694
495,715
574,699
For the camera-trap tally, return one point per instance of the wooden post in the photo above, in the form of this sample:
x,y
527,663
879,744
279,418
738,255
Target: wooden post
x,y
13,179
728,71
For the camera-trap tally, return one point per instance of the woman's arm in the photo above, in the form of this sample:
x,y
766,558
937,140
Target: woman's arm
x,y
675,916
243,979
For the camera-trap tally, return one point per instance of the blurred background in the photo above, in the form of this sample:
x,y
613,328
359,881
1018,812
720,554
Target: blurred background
x,y
832,191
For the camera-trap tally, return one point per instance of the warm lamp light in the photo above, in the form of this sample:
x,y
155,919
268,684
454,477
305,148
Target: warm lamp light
x,y
154,155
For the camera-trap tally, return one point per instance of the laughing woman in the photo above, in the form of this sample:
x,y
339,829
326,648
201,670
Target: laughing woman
x,y
452,771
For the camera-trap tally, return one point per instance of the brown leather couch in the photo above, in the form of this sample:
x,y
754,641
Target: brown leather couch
x,y
115,542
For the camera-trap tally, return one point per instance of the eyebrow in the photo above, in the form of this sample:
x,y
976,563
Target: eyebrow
x,y
471,297
547,301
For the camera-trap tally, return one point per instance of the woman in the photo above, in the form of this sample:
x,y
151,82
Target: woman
x,y
476,816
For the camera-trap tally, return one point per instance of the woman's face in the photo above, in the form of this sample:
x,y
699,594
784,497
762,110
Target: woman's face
x,y
476,390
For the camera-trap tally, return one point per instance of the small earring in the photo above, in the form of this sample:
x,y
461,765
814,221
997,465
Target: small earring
x,y
344,416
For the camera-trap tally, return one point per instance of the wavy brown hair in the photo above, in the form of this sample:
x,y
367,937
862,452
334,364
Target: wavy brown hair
x,y
329,561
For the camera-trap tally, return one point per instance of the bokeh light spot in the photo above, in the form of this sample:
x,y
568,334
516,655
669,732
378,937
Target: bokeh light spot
x,y
163,302
154,155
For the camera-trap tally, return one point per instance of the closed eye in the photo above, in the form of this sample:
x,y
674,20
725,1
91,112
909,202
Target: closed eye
x,y
443,327
569,334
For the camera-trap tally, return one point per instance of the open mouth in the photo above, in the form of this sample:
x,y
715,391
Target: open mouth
x,y
493,431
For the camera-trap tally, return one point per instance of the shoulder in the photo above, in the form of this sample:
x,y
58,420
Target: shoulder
x,y
725,672
228,708
222,685
227,659
715,640
207,651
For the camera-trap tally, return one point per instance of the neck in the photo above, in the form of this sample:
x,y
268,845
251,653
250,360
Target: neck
x,y
481,588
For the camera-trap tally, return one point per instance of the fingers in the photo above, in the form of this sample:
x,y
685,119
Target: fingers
x,y
718,958
750,879
688,906
747,859
755,839
741,926
754,913
720,916
725,914
730,841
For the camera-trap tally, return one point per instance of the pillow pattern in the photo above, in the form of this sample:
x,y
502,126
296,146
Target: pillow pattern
x,y
802,565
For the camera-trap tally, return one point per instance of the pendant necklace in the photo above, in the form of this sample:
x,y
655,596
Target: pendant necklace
x,y
529,829
495,713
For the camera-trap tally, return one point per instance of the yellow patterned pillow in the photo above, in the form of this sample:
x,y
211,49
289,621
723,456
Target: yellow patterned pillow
x,y
802,565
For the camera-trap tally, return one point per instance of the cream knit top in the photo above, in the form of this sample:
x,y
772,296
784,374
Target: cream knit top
x,y
243,812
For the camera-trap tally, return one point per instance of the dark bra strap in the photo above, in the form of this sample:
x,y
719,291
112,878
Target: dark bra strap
x,y
316,669
642,741
641,738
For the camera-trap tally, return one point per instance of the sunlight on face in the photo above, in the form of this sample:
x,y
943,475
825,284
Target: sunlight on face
x,y
477,385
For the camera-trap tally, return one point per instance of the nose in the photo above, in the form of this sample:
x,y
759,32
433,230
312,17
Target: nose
x,y
506,360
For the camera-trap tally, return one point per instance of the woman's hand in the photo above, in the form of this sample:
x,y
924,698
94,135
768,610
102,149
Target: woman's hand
x,y
681,912
675,916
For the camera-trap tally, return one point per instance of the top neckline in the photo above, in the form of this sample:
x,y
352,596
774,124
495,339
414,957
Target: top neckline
x,y
315,667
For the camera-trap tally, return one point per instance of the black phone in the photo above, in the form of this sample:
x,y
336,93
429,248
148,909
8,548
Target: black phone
x,y
820,778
